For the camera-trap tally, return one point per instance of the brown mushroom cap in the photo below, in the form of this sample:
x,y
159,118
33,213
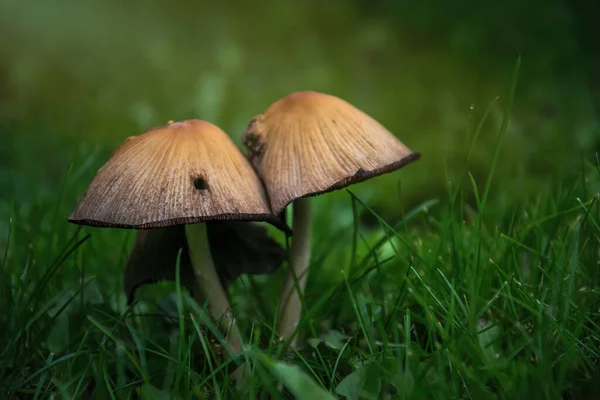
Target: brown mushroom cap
x,y
183,173
310,143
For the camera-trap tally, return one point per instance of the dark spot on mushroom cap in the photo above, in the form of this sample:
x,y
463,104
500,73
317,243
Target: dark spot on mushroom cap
x,y
200,183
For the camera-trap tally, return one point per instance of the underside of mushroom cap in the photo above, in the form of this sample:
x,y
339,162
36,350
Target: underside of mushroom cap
x,y
183,173
309,143
236,247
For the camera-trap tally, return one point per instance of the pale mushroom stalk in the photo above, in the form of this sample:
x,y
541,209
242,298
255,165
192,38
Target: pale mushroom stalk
x,y
300,252
234,248
209,284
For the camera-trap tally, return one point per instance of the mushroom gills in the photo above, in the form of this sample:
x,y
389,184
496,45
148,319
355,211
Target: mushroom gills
x,y
236,247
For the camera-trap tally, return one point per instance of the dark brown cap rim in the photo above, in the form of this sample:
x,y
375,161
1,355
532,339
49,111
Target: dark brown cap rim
x,y
269,218
360,176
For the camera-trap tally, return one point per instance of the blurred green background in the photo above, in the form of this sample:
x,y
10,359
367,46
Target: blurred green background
x,y
78,77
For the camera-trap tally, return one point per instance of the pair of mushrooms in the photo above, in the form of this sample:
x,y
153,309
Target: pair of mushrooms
x,y
190,183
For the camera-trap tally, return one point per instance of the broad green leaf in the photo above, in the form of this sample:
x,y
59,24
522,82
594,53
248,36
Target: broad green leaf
x,y
335,339
364,383
488,340
299,383
149,392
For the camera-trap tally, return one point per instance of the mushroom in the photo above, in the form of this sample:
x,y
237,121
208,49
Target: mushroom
x,y
182,174
310,143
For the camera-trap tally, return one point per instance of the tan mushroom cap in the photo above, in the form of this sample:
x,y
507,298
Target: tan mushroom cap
x,y
310,143
183,173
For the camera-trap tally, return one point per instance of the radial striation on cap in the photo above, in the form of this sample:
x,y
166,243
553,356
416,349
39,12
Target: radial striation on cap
x,y
309,143
183,173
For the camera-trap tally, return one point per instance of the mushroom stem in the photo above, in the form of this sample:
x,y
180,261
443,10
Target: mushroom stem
x,y
291,303
209,284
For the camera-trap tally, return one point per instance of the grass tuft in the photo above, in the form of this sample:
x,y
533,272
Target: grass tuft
x,y
457,298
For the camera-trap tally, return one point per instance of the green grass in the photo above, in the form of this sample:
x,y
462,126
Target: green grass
x,y
455,299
